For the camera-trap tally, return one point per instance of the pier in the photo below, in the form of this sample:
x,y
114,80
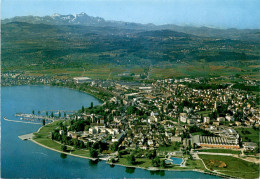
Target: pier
x,y
26,136
57,111
20,121
33,116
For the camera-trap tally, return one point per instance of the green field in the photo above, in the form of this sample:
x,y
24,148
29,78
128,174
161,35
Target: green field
x,y
194,164
171,148
220,151
204,113
248,134
234,167
140,162
43,137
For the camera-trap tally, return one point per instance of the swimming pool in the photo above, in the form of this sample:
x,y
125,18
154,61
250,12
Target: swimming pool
x,y
176,160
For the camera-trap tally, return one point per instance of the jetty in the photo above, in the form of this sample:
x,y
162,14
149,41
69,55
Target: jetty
x,y
57,111
26,136
33,116
20,121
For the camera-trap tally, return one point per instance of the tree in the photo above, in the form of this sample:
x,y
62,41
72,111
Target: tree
x,y
64,148
82,109
52,136
130,110
151,154
43,122
32,111
119,154
39,112
91,105
93,153
163,164
47,114
64,114
131,159
156,162
194,146
59,114
114,146
52,115
61,125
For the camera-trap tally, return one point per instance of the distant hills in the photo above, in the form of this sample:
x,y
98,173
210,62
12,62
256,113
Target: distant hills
x,y
77,41
76,19
86,20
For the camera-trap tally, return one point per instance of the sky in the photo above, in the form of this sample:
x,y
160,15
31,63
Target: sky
x,y
211,13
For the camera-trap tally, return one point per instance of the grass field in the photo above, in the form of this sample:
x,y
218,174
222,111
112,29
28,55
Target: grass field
x,y
170,148
195,164
234,167
204,113
220,151
140,162
146,163
248,134
43,137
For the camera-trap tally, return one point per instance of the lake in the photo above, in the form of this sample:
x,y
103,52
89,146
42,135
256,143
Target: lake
x,y
25,159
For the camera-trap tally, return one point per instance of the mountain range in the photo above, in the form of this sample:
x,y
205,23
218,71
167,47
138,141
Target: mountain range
x,y
80,41
86,20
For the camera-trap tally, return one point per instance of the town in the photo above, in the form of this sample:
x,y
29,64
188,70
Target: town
x,y
160,121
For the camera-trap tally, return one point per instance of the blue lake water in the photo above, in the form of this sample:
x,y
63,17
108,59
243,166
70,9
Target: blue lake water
x,y
24,159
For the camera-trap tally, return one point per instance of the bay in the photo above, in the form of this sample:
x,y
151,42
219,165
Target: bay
x,y
25,159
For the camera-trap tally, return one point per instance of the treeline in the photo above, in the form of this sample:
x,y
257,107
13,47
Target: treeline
x,y
246,88
231,56
64,139
94,148
55,46
97,92
203,86
194,129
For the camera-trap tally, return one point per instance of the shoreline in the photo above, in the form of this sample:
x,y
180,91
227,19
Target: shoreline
x,y
100,100
89,158
149,168
118,164
61,151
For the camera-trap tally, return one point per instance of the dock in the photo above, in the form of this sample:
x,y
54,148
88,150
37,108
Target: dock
x,y
26,136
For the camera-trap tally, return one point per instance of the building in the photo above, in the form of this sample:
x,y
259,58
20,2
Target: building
x,y
150,142
206,120
230,118
220,119
175,139
146,89
213,142
61,132
118,137
82,80
249,145
183,117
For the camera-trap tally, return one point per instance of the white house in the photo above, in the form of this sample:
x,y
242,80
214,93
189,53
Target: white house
x,y
150,142
82,80
206,120
230,118
183,117
220,119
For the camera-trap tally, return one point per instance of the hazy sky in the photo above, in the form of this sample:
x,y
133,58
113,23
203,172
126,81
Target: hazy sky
x,y
214,13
